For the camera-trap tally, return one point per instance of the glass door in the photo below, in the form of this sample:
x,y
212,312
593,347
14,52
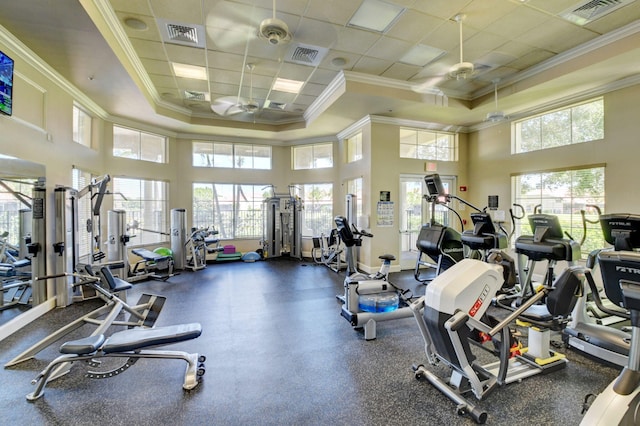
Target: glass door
x,y
412,214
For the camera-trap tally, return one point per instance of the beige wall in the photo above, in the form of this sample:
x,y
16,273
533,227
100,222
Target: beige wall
x,y
491,164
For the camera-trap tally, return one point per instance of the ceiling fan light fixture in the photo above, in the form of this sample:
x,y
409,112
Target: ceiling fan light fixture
x,y
462,70
274,31
496,116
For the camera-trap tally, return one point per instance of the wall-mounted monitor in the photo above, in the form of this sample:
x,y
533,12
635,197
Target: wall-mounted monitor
x,y
6,84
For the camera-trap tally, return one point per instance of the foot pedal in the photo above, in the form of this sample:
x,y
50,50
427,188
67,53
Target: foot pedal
x,y
25,297
155,306
10,295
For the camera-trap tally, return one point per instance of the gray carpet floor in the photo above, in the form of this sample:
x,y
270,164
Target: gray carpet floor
x,y
278,353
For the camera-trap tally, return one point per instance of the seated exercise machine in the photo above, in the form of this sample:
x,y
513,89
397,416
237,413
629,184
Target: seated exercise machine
x,y
619,403
327,250
367,298
200,243
154,265
453,314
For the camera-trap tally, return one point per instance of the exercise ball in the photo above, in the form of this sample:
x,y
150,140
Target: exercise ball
x,y
163,251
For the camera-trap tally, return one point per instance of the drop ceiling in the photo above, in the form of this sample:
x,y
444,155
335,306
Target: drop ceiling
x,y
120,53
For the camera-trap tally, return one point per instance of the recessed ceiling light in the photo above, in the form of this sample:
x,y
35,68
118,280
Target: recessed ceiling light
x,y
376,15
421,55
189,71
289,86
135,24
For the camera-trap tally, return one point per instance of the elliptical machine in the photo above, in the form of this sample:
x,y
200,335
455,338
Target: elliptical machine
x,y
446,245
368,298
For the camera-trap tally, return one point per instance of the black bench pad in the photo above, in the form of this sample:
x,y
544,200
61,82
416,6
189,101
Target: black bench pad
x,y
138,338
87,345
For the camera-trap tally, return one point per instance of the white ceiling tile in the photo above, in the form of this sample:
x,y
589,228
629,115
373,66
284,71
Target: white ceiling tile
x,y
389,48
401,71
411,26
370,65
355,40
149,49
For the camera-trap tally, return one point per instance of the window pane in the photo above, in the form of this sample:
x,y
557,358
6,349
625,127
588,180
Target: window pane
x,y
202,154
428,145
588,122
318,208
223,155
530,135
408,151
262,157
126,143
323,156
243,156
302,157
202,205
152,148
556,129
81,127
354,148
145,204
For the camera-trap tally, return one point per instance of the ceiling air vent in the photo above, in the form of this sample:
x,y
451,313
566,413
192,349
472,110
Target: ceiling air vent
x,y
306,54
280,106
192,95
590,10
179,33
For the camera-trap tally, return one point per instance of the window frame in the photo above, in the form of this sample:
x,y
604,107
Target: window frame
x,y
138,209
230,227
451,147
314,159
561,202
517,139
314,208
138,152
233,161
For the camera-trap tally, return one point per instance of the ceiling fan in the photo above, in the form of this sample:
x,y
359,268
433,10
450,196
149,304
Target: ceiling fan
x,y
496,115
462,70
274,30
232,105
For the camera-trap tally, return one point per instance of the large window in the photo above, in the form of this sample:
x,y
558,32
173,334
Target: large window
x,y
231,155
137,145
428,145
564,194
146,206
234,210
354,147
317,156
317,216
81,127
578,123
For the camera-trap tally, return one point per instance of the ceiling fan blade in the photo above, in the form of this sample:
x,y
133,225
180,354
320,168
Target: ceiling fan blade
x,y
228,105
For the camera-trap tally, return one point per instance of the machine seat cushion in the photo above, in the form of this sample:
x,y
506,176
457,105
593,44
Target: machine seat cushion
x,y
387,257
87,345
138,338
148,254
115,284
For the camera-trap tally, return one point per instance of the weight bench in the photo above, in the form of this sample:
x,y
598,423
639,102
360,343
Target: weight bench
x,y
129,344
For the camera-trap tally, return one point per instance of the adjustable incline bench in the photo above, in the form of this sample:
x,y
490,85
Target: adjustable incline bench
x,y
129,344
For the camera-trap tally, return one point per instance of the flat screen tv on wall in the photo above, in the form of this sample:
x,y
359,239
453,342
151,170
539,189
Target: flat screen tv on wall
x,y
6,84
